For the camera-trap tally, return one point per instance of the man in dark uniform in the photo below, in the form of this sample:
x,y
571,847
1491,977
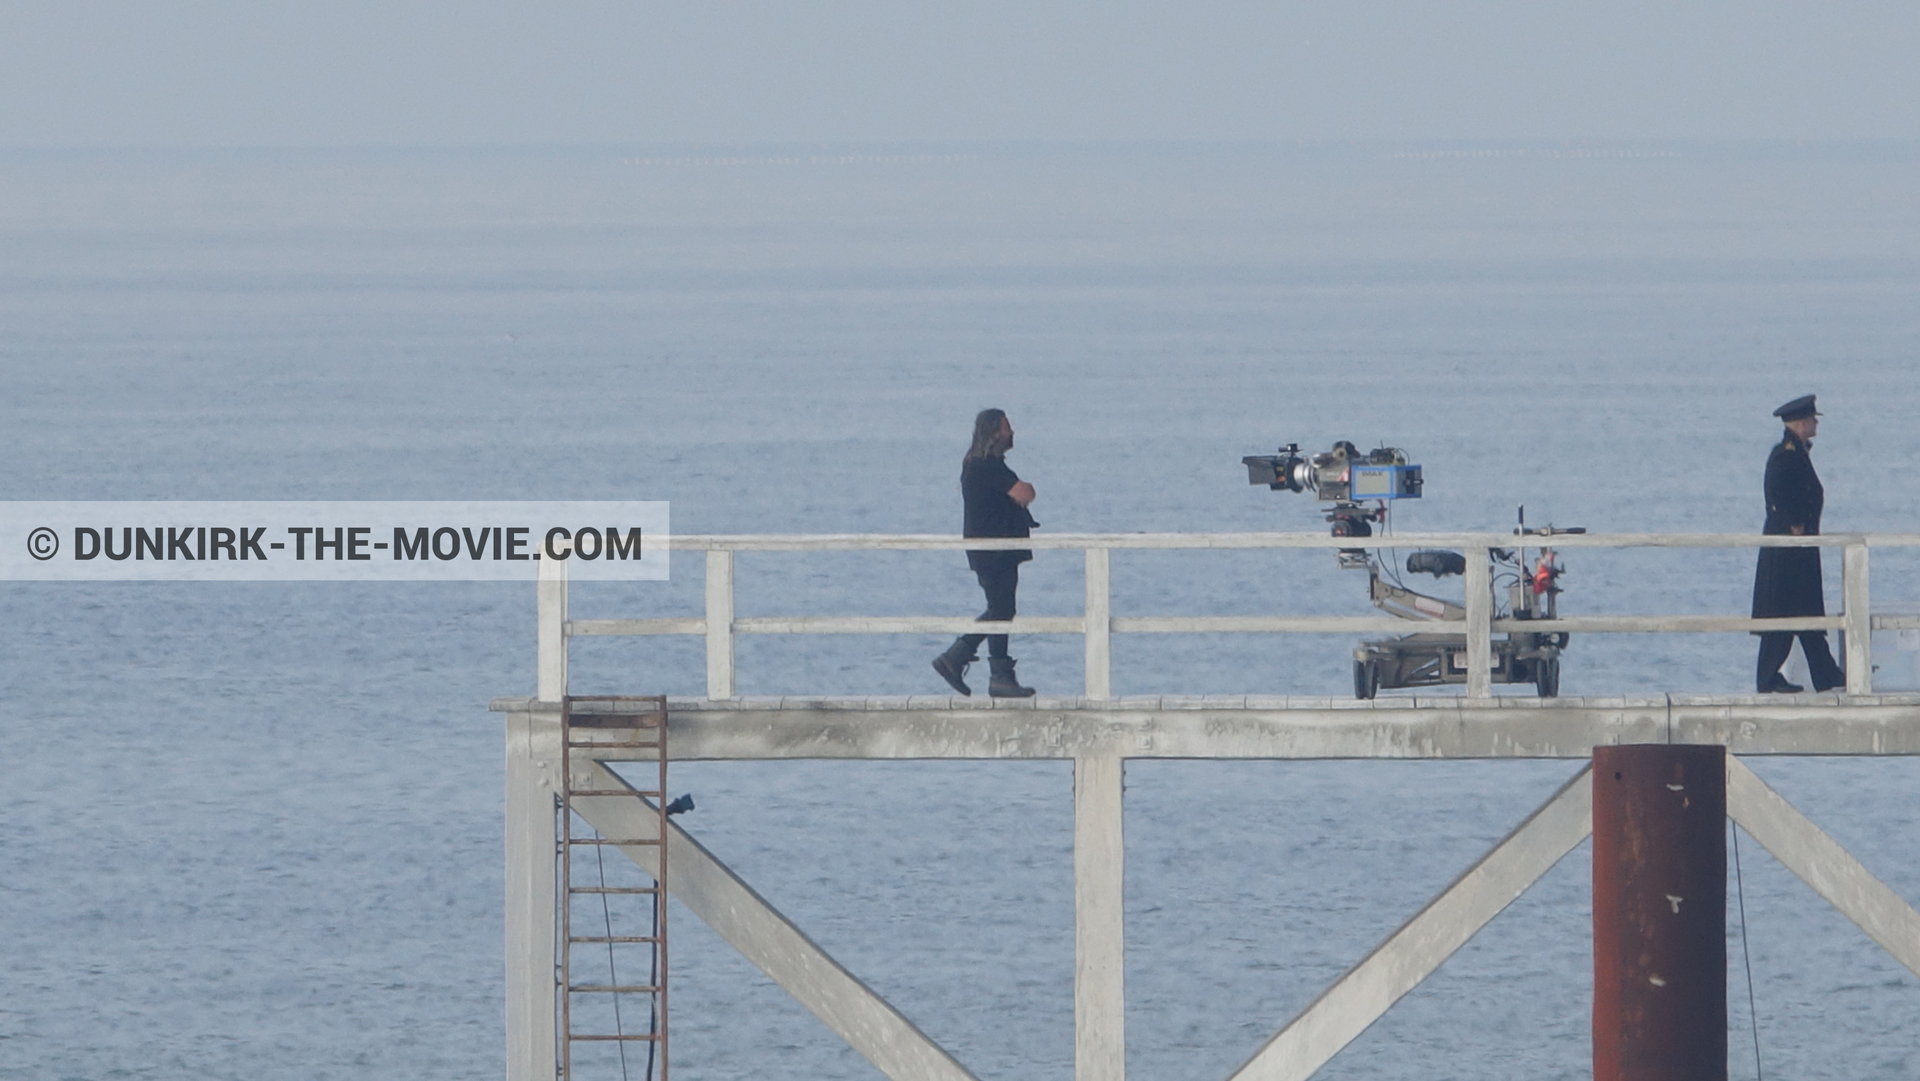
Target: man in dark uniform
x,y
996,506
1787,580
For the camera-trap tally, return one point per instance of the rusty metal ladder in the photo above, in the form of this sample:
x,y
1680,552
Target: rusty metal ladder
x,y
590,724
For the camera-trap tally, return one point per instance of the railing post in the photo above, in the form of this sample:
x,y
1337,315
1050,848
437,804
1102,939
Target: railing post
x,y
1859,616
719,623
551,609
1479,625
1099,625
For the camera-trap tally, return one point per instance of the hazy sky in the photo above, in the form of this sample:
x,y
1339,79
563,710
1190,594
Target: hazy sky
x,y
347,72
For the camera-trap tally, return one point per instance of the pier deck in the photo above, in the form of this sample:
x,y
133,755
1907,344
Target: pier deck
x,y
1290,727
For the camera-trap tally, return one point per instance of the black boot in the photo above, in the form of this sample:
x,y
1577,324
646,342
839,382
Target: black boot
x,y
1779,685
1003,684
952,665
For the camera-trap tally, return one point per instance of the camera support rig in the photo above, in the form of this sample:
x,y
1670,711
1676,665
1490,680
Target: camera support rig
x,y
1344,477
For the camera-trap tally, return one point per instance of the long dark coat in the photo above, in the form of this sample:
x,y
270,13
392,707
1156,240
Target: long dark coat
x,y
1787,580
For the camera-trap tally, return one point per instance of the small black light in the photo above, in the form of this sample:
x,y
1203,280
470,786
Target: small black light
x,y
681,805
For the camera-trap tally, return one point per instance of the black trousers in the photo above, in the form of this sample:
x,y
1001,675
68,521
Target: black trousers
x,y
1000,585
1774,647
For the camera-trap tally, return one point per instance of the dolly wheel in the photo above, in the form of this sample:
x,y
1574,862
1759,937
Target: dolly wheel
x,y
1546,677
1366,679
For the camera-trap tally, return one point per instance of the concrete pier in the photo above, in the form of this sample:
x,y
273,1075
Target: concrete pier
x,y
1099,733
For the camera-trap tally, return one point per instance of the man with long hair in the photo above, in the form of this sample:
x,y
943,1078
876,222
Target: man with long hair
x,y
996,506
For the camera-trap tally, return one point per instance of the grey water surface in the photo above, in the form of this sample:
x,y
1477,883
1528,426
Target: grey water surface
x,y
253,830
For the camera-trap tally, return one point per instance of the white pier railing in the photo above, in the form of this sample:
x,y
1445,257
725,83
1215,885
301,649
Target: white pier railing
x,y
720,625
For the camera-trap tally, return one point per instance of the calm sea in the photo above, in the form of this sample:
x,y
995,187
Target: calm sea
x,y
253,831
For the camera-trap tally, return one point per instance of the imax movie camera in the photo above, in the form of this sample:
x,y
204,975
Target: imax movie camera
x,y
1350,481
1343,477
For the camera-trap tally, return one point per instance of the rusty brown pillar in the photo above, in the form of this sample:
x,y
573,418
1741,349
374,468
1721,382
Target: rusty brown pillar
x,y
1659,913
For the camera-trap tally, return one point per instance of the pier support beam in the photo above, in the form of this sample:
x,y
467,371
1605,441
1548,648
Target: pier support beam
x,y
1821,862
1659,913
1422,944
748,923
533,777
1100,933
533,772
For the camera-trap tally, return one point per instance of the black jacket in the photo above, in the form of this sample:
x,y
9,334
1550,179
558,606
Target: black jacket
x,y
991,512
1786,581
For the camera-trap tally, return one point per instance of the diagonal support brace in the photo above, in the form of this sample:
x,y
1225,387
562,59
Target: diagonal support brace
x,y
1820,861
858,1015
1422,944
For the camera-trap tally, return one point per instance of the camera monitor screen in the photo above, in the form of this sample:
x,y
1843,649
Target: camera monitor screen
x,y
1386,481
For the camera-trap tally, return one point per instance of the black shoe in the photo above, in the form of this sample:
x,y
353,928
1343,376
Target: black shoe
x,y
952,666
1004,684
1779,685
